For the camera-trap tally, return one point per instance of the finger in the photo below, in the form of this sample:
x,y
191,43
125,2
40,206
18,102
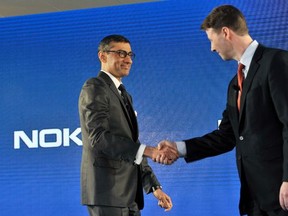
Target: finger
x,y
285,204
168,208
160,204
167,204
161,144
171,157
282,202
173,149
169,162
162,158
166,161
158,158
171,152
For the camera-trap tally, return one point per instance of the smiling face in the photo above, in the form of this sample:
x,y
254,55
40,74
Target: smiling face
x,y
112,62
220,42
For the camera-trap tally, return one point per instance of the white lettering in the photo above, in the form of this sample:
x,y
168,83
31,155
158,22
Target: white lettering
x,y
31,143
73,136
46,144
47,138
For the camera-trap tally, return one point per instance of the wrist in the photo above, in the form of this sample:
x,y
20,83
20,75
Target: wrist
x,y
154,188
149,151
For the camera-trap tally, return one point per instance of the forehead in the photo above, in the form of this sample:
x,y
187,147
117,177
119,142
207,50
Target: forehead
x,y
120,46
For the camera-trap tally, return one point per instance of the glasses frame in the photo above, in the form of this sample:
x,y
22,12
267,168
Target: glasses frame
x,y
122,53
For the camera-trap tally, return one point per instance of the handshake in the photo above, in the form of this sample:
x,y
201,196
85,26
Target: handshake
x,y
165,153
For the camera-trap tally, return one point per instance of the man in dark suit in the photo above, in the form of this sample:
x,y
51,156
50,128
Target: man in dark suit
x,y
114,168
259,127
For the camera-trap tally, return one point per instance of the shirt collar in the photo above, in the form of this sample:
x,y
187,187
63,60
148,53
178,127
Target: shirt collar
x,y
116,82
247,56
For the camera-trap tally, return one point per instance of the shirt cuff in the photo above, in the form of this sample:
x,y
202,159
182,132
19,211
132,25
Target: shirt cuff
x,y
139,155
181,147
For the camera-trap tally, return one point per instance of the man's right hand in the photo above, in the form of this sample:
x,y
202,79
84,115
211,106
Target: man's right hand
x,y
164,153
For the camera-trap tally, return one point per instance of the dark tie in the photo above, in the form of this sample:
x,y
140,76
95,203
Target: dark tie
x,y
240,77
124,95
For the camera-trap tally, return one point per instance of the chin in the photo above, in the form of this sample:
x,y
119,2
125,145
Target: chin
x,y
125,73
225,58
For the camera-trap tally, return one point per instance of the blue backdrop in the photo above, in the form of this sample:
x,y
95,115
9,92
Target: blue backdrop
x,y
178,87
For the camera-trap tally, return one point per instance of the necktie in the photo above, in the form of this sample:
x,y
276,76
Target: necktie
x,y
124,95
128,105
240,77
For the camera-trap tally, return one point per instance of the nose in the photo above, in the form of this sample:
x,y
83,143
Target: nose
x,y
128,59
212,48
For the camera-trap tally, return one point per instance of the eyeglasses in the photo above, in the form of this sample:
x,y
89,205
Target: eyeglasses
x,y
122,53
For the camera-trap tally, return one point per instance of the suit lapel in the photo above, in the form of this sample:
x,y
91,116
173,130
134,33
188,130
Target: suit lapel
x,y
234,96
132,122
251,73
110,83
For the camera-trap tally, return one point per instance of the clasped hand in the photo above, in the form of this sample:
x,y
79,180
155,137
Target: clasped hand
x,y
167,152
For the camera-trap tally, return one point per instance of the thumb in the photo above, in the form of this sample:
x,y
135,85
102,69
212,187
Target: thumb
x,y
161,144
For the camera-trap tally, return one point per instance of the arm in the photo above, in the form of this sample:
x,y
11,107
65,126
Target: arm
x,y
214,143
152,185
211,144
278,79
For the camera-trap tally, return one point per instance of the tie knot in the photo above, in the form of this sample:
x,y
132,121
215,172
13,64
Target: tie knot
x,y
122,88
240,66
240,73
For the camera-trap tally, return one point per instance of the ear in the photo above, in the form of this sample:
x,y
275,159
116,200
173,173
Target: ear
x,y
227,33
102,57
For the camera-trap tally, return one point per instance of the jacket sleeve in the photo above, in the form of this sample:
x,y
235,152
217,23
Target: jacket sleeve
x,y
217,142
149,179
278,79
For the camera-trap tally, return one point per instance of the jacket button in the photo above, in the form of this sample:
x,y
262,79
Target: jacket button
x,y
241,138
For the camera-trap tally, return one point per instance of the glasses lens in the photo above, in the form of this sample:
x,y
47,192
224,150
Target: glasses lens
x,y
132,55
122,53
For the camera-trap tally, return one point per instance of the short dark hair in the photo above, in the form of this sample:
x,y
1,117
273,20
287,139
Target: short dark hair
x,y
105,42
226,16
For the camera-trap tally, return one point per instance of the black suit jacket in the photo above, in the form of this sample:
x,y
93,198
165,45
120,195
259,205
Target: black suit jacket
x,y
259,131
109,176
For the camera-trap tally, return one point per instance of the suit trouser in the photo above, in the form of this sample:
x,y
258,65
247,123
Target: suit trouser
x,y
253,208
109,211
256,211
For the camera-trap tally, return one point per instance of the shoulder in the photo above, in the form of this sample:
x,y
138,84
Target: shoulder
x,y
268,56
272,51
94,87
277,56
95,83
